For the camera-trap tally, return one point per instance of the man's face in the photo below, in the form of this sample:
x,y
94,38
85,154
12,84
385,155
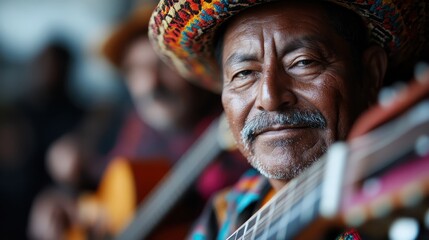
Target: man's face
x,y
290,86
161,97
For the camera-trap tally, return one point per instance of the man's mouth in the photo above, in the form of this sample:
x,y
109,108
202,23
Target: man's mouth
x,y
278,129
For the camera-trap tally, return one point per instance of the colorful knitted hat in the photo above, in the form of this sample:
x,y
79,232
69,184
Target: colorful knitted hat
x,y
182,31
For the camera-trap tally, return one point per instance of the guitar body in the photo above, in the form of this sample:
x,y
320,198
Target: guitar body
x,y
146,200
126,183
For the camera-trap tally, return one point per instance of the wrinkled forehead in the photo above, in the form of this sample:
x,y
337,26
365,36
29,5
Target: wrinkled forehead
x,y
279,22
279,14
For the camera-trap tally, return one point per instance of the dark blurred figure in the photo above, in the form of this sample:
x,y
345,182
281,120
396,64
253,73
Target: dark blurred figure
x,y
17,185
49,106
26,131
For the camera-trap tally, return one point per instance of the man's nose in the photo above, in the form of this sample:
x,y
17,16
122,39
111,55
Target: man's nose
x,y
275,91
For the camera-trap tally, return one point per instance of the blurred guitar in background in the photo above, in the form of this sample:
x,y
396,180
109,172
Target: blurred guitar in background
x,y
134,197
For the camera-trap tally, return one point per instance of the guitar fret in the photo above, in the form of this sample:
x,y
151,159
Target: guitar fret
x,y
309,201
302,211
283,230
306,189
285,206
250,226
308,184
314,175
274,224
260,226
232,237
291,231
285,218
283,196
240,232
273,220
264,212
251,223
298,212
292,228
271,208
296,216
298,193
265,220
248,236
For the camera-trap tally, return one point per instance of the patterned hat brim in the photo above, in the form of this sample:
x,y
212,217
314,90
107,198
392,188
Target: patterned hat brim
x,y
182,31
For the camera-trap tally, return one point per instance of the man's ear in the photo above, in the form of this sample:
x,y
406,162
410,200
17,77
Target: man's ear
x,y
374,60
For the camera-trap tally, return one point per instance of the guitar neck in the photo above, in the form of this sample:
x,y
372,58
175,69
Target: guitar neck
x,y
287,212
177,181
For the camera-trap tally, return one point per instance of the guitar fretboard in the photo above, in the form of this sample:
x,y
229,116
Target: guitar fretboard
x,y
289,211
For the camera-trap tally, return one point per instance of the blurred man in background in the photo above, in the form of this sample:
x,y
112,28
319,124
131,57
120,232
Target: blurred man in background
x,y
169,115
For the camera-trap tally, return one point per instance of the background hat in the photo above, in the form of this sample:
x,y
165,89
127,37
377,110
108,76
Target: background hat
x,y
134,26
182,31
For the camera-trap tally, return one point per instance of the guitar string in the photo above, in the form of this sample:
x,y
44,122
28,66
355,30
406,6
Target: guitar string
x,y
156,204
283,197
309,188
299,193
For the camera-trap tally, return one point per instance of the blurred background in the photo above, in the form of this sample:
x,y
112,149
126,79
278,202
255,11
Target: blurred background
x,y
53,81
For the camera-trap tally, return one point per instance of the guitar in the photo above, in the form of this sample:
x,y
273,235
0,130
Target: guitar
x,y
382,170
151,211
134,196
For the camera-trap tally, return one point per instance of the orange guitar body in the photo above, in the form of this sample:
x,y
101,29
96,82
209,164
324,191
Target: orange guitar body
x,y
124,185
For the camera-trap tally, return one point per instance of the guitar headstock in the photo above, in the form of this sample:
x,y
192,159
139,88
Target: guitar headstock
x,y
392,104
387,170
376,136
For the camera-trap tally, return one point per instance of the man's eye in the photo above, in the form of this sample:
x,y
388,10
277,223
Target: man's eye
x,y
303,67
243,74
304,63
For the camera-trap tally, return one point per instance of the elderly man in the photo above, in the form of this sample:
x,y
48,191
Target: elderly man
x,y
294,76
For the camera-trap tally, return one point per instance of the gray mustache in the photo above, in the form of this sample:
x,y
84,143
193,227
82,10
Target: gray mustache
x,y
293,118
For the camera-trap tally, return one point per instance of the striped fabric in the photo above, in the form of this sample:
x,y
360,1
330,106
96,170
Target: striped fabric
x,y
229,209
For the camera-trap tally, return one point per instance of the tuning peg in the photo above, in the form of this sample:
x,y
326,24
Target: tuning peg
x,y
404,229
421,71
388,94
422,145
